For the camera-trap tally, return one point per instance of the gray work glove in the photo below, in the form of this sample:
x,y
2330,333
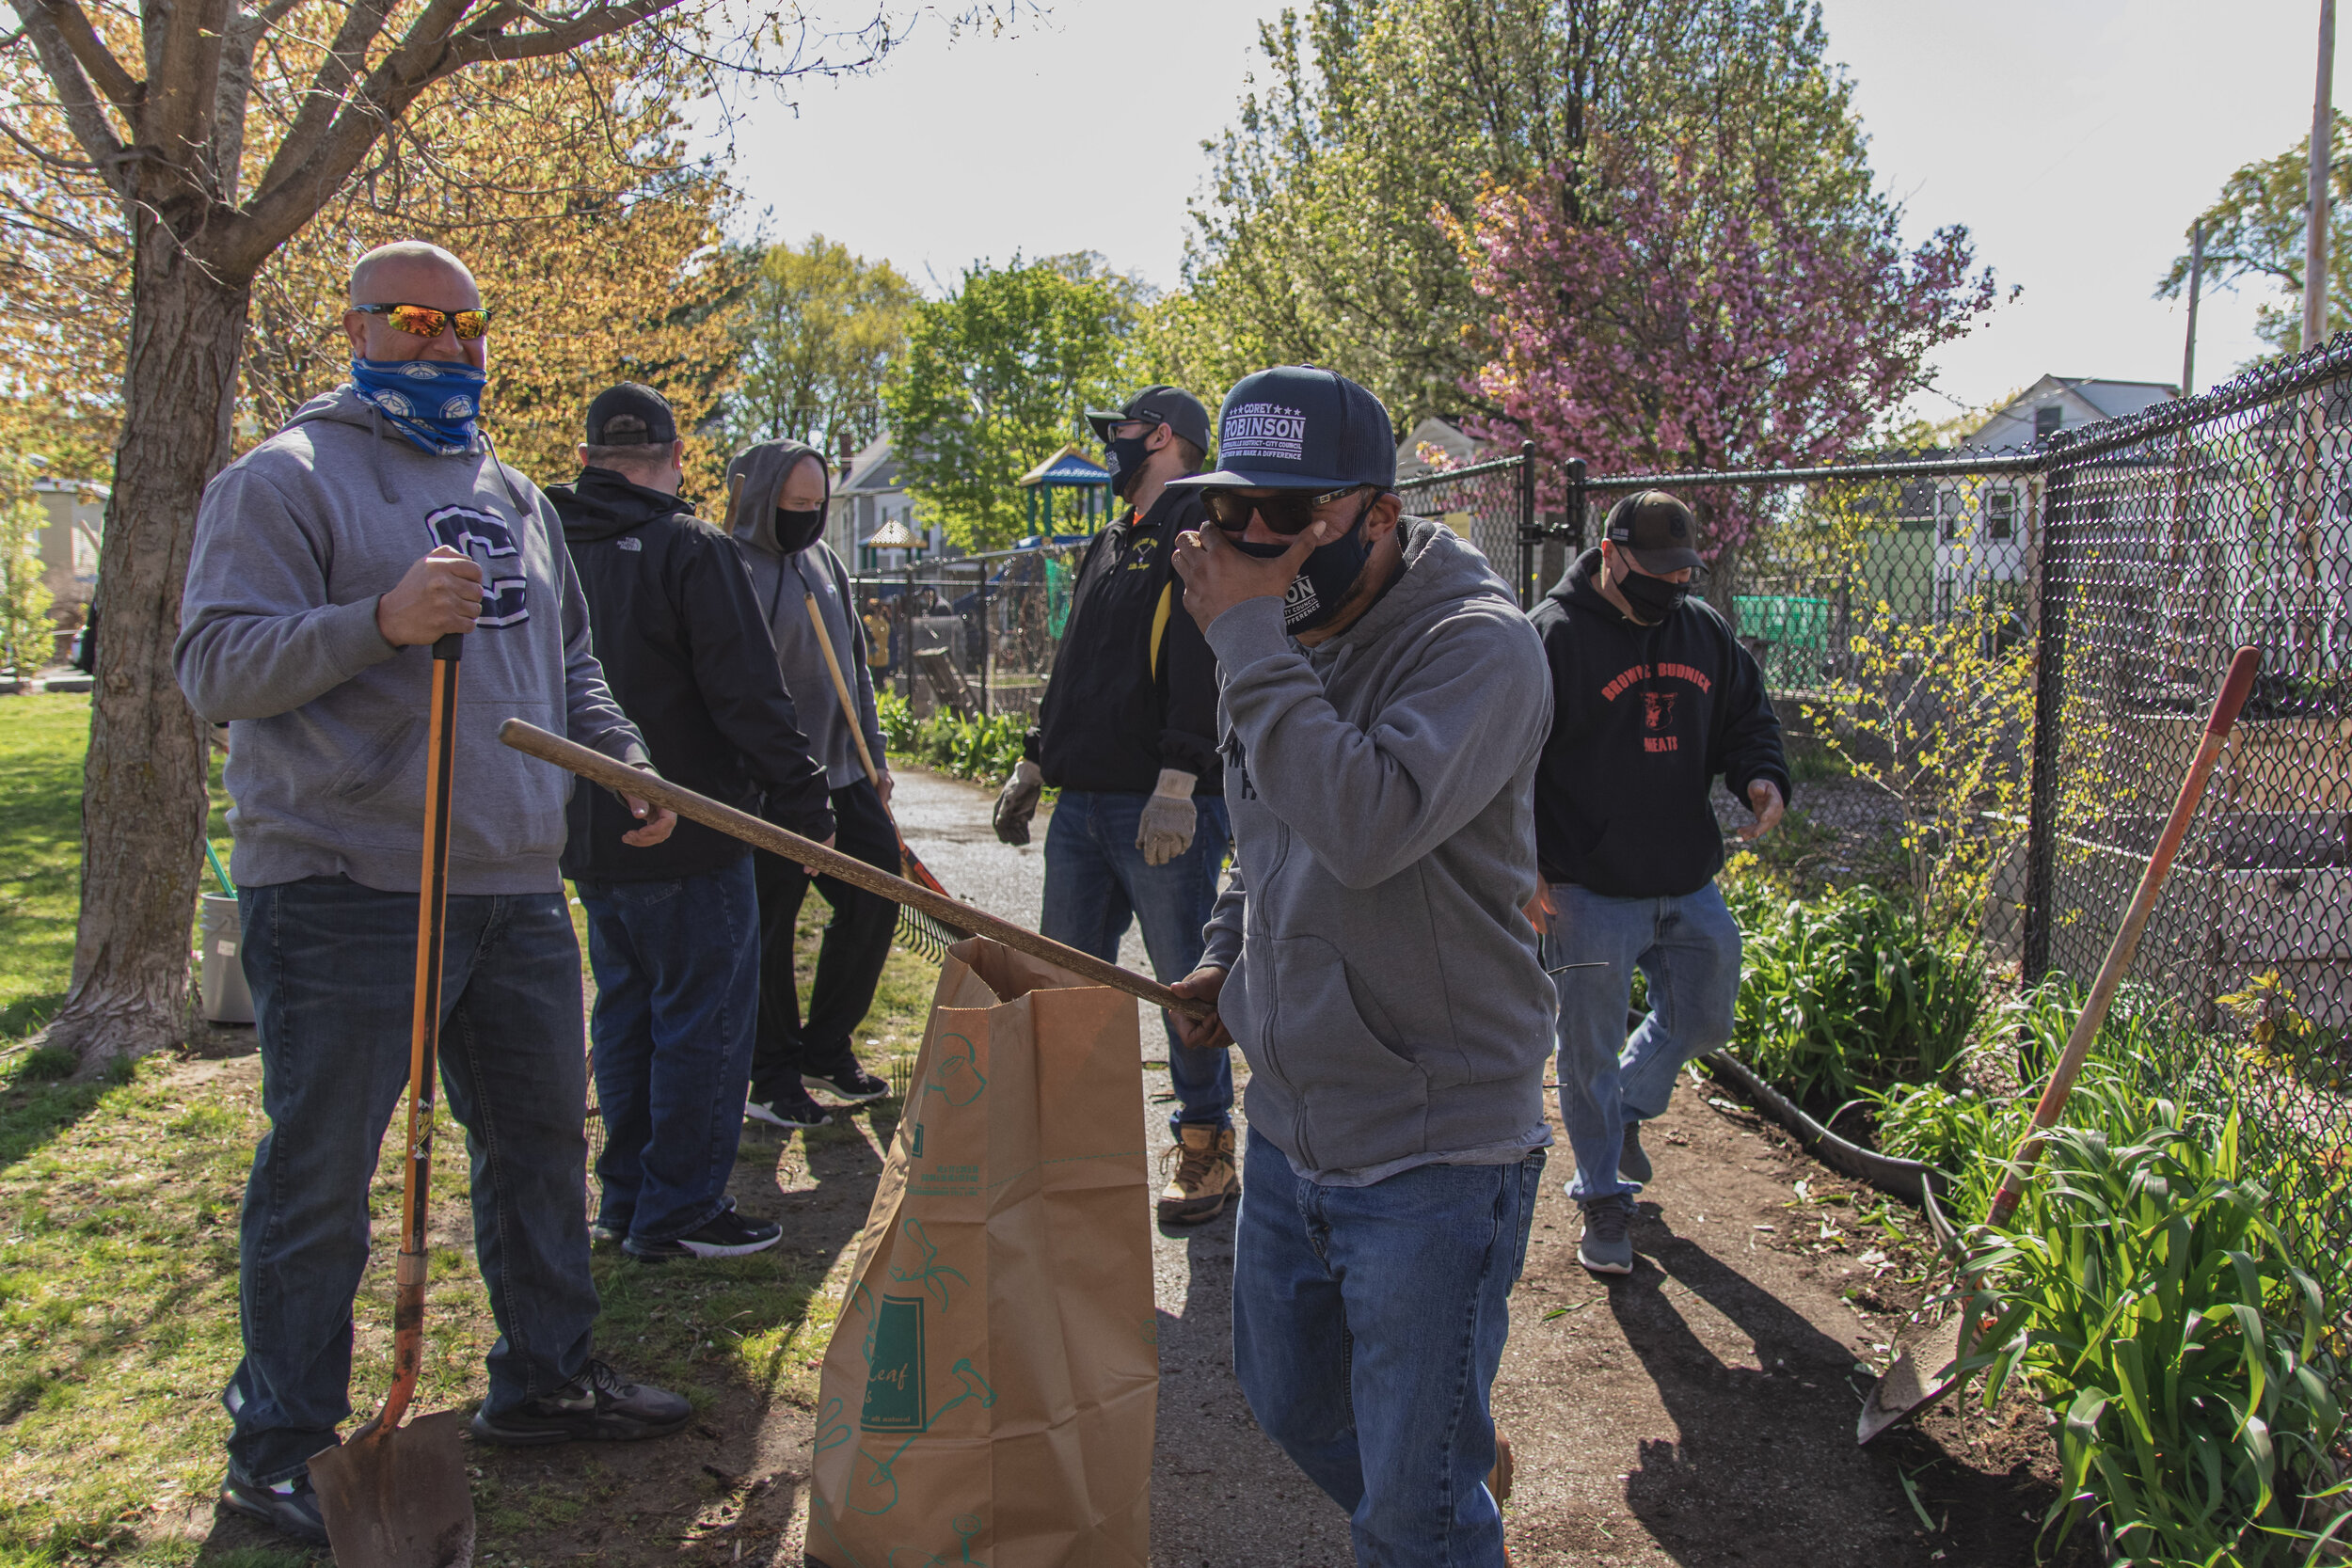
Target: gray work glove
x,y
1017,802
1169,817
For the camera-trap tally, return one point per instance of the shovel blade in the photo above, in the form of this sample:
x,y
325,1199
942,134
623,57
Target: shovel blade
x,y
397,1498
1908,1387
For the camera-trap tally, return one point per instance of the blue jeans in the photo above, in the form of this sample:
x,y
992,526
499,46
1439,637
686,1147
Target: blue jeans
x,y
1688,948
332,967
677,995
1096,881
1368,1322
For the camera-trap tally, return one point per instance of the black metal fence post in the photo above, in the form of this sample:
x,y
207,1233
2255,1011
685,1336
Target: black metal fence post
x,y
1528,533
988,640
2049,688
1578,505
906,618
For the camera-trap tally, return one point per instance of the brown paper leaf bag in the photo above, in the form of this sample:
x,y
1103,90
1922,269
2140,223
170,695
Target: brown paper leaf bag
x,y
989,1394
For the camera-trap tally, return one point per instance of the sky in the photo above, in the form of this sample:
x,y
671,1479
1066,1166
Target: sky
x,y
2075,140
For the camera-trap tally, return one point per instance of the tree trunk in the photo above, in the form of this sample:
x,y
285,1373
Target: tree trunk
x,y
143,800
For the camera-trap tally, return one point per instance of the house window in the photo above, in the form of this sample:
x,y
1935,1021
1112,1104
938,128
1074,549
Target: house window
x,y
2000,514
1948,505
2046,420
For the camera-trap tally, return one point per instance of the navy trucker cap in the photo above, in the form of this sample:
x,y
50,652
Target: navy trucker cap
x,y
1169,406
1298,427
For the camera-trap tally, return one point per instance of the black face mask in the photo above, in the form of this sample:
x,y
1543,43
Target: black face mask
x,y
1125,458
798,530
1652,598
1324,583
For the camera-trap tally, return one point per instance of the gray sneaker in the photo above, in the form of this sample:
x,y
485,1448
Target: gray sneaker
x,y
1633,1164
1606,1248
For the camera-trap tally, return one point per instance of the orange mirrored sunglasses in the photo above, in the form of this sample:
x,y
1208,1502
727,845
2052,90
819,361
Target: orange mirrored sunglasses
x,y
424,321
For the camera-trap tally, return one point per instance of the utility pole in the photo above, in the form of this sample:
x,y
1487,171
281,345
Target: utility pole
x,y
2315,226
2196,278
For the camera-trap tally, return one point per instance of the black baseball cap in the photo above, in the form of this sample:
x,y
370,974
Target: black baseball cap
x,y
1169,406
1657,530
630,416
1299,427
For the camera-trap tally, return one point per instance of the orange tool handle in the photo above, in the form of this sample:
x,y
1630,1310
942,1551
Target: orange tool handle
x,y
2235,687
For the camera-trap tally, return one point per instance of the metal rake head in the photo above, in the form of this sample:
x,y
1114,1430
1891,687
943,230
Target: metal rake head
x,y
923,934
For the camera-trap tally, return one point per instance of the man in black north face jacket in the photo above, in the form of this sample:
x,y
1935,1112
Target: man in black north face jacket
x,y
674,932
1653,700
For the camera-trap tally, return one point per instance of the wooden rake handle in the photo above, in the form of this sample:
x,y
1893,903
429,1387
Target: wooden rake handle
x,y
622,779
2235,687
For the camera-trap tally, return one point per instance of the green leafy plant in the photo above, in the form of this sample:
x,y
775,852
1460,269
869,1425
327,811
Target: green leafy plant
x,y
1852,991
24,593
2148,1295
984,748
2145,1049
897,717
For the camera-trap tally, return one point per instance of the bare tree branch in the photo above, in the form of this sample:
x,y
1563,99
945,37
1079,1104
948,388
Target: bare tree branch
x,y
426,54
363,22
73,27
595,22
78,99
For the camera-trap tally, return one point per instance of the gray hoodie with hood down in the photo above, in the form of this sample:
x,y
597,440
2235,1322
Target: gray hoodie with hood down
x,y
1382,980
782,583
295,542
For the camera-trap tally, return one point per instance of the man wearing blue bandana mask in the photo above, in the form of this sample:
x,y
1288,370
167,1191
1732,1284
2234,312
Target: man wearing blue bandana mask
x,y
327,562
1384,709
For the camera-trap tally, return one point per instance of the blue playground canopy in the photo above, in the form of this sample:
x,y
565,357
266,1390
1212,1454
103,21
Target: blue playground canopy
x,y
1090,505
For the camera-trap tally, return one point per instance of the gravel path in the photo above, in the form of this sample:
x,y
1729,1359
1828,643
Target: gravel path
x,y
1221,1494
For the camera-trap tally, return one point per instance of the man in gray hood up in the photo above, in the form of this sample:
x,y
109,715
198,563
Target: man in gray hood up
x,y
327,560
1384,706
778,494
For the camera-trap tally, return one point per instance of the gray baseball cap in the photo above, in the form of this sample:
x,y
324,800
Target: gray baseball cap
x,y
1169,406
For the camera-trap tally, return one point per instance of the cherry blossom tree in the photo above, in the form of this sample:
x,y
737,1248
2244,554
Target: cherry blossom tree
x,y
1686,316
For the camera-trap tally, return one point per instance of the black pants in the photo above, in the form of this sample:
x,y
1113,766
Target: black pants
x,y
848,963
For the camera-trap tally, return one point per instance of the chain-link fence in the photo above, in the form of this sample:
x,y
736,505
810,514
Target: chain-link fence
x,y
1493,506
977,636
2019,650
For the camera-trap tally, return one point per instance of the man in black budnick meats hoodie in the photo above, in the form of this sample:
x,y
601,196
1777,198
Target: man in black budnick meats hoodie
x,y
1653,699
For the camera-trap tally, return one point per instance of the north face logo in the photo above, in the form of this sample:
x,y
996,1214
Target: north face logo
x,y
1658,709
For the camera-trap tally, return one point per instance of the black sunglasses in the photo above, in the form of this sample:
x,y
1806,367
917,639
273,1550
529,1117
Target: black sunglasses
x,y
1286,512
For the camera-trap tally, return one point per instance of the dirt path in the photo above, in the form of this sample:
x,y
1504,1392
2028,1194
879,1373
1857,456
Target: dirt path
x,y
1699,1412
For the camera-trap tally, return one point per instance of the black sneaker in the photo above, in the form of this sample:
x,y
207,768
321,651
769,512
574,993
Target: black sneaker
x,y
288,1507
1608,1245
726,1234
597,1406
850,1081
789,1110
1632,1163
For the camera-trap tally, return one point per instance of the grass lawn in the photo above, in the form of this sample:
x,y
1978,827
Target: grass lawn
x,y
118,1207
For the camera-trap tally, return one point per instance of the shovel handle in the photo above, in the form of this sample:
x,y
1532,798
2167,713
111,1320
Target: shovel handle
x,y
2235,687
599,768
424,1034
